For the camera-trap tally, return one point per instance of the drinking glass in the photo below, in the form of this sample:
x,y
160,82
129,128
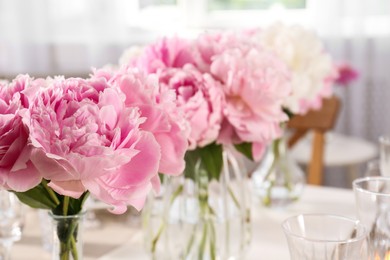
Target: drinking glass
x,y
11,222
325,237
373,208
384,154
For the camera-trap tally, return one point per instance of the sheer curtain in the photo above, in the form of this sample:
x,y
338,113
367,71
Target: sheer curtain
x,y
64,36
358,31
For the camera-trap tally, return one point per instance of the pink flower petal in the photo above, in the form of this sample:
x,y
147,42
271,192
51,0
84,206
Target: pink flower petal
x,y
24,179
59,170
72,188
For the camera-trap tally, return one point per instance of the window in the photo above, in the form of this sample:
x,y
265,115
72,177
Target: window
x,y
171,16
254,4
146,3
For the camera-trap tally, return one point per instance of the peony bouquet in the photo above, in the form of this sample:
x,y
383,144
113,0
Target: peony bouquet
x,y
239,88
231,92
63,139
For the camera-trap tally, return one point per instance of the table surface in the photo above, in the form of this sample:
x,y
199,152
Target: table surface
x,y
120,237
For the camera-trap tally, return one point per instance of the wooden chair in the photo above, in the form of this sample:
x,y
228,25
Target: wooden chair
x,y
318,121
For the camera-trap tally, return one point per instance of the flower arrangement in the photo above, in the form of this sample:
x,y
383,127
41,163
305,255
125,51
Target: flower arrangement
x,y
231,91
176,104
259,77
63,139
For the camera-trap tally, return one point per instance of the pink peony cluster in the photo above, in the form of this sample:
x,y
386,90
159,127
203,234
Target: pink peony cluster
x,y
231,90
89,135
260,73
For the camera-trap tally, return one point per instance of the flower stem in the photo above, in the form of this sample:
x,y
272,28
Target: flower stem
x,y
65,206
157,237
206,211
190,243
275,150
155,240
67,231
235,200
52,194
203,242
73,246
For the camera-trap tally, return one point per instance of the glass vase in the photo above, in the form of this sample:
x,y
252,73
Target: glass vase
x,y
11,222
200,218
278,180
67,236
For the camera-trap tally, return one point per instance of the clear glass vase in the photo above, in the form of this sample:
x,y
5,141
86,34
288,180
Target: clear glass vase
x,y
11,222
278,180
67,236
199,218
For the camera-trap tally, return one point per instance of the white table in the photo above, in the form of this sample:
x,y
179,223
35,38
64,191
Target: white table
x,y
268,238
117,239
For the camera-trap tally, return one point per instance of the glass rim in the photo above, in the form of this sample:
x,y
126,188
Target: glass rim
x,y
357,223
79,215
356,184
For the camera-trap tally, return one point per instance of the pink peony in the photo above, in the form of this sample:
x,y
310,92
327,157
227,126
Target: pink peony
x,y
167,53
157,106
16,170
84,138
200,96
255,84
208,45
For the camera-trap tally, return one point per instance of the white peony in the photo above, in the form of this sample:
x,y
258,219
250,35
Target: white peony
x,y
311,67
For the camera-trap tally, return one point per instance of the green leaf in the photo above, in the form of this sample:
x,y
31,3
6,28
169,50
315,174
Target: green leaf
x,y
191,157
211,156
245,149
37,198
288,113
76,205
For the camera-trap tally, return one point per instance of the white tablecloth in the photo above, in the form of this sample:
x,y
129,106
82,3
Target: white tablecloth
x,y
118,238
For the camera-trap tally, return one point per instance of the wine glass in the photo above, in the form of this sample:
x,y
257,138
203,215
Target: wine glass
x,y
11,222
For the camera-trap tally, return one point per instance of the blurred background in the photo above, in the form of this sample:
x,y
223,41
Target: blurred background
x,y
46,37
